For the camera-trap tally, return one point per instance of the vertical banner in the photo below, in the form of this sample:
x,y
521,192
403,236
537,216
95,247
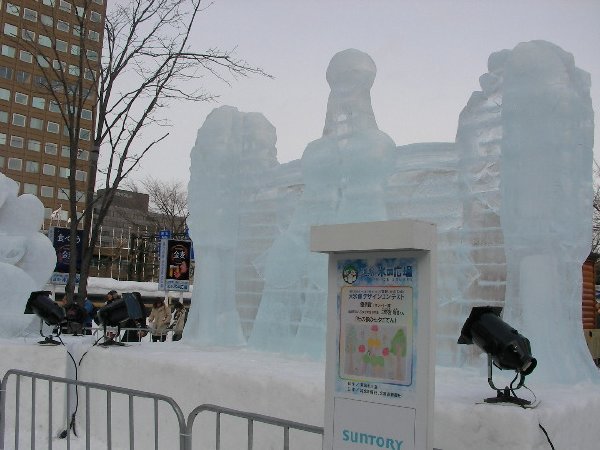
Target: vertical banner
x,y
60,238
174,265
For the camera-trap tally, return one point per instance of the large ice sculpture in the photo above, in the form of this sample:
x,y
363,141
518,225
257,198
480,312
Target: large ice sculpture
x,y
27,257
546,186
511,199
344,174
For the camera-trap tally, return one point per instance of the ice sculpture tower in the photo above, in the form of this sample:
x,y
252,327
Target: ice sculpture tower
x,y
546,187
344,174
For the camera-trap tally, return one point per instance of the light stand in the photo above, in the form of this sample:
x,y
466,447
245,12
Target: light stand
x,y
49,340
504,395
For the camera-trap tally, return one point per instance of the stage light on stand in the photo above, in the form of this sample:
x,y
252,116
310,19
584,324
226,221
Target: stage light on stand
x,y
40,304
113,314
505,347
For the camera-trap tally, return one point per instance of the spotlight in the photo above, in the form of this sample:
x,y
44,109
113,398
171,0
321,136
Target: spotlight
x,y
118,311
505,348
40,304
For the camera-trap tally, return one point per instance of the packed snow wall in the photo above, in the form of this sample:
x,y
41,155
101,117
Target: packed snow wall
x,y
256,281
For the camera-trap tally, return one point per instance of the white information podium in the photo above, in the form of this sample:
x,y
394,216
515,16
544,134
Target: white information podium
x,y
381,309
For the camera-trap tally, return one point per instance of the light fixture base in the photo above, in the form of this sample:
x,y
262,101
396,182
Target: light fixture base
x,y
504,396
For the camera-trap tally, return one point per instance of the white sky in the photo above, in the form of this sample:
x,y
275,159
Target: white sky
x,y
429,56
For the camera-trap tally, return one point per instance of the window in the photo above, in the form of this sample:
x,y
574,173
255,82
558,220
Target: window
x,y
58,65
49,169
74,70
43,61
80,11
47,20
3,116
53,106
62,194
14,10
61,46
80,175
28,35
15,163
21,99
63,172
10,30
18,120
6,72
29,188
61,25
2,139
98,2
36,124
9,51
30,14
75,50
47,213
51,148
76,30
23,77
84,134
52,127
65,151
94,36
80,195
25,56
86,114
33,145
32,167
49,2
4,94
83,155
47,191
64,6
38,102
44,41
95,16
92,55
16,141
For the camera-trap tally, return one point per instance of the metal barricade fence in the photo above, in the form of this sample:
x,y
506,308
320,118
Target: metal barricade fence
x,y
251,418
185,428
88,386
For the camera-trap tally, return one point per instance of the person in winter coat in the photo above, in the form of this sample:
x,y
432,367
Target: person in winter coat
x,y
159,320
178,320
133,334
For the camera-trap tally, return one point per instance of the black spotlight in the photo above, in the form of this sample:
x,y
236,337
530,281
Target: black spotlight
x,y
40,304
113,314
505,347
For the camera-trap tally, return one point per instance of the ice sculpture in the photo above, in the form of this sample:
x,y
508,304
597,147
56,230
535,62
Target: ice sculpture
x,y
511,199
27,257
234,150
344,174
546,186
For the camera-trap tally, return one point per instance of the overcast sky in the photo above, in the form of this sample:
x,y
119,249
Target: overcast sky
x,y
429,56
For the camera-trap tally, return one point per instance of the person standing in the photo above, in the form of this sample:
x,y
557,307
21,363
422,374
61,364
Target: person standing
x,y
159,320
136,327
178,320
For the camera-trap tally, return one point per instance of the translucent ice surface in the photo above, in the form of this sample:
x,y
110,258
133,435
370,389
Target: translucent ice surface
x,y
27,257
511,199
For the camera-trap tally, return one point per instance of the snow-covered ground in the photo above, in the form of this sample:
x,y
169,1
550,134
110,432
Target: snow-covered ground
x,y
281,387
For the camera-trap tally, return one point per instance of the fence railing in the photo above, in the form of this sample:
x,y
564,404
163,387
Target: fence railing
x,y
185,428
251,418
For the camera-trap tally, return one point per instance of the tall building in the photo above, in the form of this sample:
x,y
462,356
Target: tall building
x,y
40,39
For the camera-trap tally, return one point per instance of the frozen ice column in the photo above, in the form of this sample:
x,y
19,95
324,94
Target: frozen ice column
x,y
546,185
27,257
344,173
232,152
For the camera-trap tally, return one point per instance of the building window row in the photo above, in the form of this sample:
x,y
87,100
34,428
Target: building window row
x,y
50,148
39,103
16,164
31,15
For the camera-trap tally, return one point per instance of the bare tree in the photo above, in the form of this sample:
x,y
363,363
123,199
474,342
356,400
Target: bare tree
x,y
147,62
168,202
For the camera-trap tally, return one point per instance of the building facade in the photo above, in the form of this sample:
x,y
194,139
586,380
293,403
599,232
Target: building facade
x,y
50,51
